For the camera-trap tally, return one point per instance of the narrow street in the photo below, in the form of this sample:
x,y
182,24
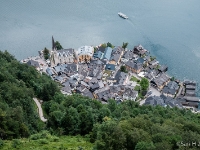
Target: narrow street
x,y
39,110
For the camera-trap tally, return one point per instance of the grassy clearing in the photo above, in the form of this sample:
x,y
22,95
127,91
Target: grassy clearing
x,y
134,79
49,143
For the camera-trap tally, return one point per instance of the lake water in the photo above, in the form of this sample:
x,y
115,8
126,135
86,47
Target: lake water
x,y
169,29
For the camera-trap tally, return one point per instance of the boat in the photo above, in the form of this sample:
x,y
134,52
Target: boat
x,y
122,15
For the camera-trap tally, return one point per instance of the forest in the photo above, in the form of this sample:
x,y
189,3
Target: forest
x,y
112,126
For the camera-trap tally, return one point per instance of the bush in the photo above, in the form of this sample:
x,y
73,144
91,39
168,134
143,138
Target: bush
x,y
35,137
15,143
43,141
1,143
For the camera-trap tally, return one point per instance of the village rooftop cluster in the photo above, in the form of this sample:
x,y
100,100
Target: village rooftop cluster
x,y
95,72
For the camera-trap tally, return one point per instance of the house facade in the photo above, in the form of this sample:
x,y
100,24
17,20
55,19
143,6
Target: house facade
x,y
84,54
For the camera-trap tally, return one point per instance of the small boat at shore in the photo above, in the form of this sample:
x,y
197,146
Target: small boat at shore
x,y
122,15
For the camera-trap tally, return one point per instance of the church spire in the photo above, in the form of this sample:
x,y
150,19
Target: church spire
x,y
53,44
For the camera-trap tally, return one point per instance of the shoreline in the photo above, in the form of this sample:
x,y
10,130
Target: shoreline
x,y
151,69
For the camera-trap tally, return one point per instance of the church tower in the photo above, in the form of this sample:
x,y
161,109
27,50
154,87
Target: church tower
x,y
53,57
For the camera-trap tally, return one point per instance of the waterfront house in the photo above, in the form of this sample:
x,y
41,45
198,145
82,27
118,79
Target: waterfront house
x,y
154,62
188,82
116,55
190,93
134,67
107,53
139,50
160,81
84,54
128,55
163,68
170,89
101,49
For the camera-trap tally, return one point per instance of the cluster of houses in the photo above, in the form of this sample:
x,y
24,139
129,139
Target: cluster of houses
x,y
96,73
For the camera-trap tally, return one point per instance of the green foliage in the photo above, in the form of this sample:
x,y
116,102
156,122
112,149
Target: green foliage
x,y
137,88
46,53
124,46
123,69
104,45
58,45
110,45
144,83
152,58
1,143
15,143
63,143
172,78
134,79
19,83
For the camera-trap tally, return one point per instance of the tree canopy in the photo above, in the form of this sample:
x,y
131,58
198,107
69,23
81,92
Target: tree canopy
x,y
124,45
58,45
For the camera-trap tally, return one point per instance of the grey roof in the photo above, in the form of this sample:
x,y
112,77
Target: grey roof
x,y
95,68
153,62
66,89
174,103
66,83
130,93
120,77
83,69
102,49
163,68
163,78
190,93
128,55
65,52
107,53
94,86
33,63
132,64
173,85
85,84
60,68
101,85
188,82
49,71
167,90
116,53
154,100
110,67
58,78
191,87
190,98
71,69
87,93
139,50
140,60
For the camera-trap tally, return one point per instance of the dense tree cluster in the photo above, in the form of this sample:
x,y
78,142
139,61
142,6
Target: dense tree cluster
x,y
109,126
19,83
122,126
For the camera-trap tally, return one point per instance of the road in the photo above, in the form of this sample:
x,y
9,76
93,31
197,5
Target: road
x,y
39,110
